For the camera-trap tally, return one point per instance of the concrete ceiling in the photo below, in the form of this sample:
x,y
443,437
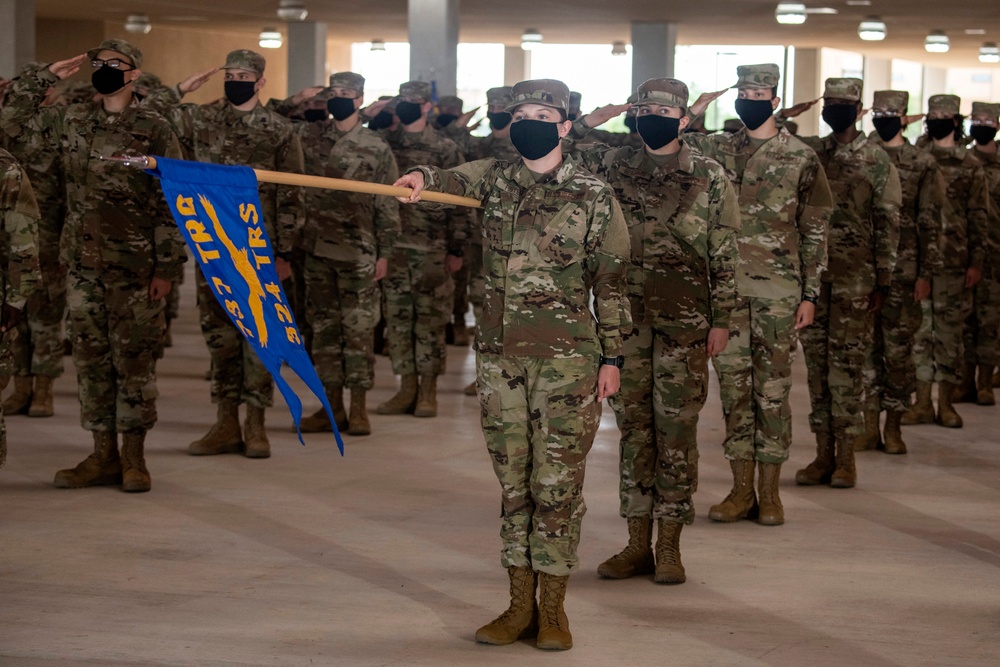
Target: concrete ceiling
x,y
599,21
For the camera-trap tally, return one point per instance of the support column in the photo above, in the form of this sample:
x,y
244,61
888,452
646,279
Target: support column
x,y
17,35
516,65
808,86
653,46
306,55
433,34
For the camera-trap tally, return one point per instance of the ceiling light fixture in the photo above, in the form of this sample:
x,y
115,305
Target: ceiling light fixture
x,y
530,39
292,10
790,13
618,49
975,31
378,45
138,24
270,39
989,52
937,42
872,29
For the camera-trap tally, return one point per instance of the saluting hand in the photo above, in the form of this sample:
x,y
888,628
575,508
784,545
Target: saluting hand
x,y
602,115
196,81
700,104
414,180
798,109
463,120
306,94
64,69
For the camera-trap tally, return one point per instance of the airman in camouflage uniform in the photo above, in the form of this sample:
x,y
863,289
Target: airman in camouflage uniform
x,y
238,130
37,352
861,248
683,219
891,377
419,289
348,239
122,251
19,263
785,205
449,108
983,326
553,235
965,240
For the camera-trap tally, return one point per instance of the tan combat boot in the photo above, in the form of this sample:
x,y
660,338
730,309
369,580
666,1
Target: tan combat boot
x,y
19,401
846,475
135,476
965,390
404,401
472,389
669,569
984,396
946,415
520,621
922,411
427,402
224,437
872,437
358,422
336,398
741,503
637,556
461,334
822,467
41,398
102,468
319,421
772,513
255,435
553,626
892,436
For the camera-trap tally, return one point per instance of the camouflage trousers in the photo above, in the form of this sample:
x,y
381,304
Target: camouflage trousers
x,y
890,373
755,378
116,331
342,306
6,340
237,373
983,324
38,349
664,386
937,348
836,348
539,418
418,303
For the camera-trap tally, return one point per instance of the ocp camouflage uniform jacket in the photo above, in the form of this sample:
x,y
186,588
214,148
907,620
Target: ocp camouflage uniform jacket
x,y
991,166
965,237
546,246
785,207
864,229
920,217
117,220
426,227
221,134
480,148
683,223
18,234
341,225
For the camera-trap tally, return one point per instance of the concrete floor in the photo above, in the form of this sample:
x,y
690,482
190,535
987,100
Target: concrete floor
x,y
389,556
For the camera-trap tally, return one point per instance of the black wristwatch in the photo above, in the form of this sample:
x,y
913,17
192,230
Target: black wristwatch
x,y
618,361
811,299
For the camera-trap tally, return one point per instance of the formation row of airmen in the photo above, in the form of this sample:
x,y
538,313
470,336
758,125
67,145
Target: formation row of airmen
x,y
601,266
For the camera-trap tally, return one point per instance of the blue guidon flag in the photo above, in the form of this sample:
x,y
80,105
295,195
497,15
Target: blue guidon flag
x,y
219,214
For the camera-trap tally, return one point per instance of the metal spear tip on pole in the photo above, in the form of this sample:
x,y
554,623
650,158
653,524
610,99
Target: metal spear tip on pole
x,y
137,161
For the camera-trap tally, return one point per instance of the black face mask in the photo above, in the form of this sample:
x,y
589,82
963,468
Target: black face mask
x,y
630,123
534,139
572,116
108,80
382,120
888,128
840,116
983,134
657,131
498,119
445,119
239,92
754,113
939,128
340,108
408,112
314,115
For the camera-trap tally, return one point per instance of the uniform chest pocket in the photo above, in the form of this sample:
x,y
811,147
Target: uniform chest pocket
x,y
561,240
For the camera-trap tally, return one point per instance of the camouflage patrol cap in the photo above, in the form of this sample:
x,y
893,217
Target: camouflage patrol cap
x,y
451,101
891,101
668,92
547,92
117,45
418,89
946,103
765,75
989,109
844,88
575,99
498,97
632,98
349,80
251,61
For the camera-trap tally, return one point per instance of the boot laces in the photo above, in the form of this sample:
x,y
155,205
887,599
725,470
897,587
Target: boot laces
x,y
548,609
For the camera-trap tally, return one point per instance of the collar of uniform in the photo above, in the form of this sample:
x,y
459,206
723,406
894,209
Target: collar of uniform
x,y
558,178
129,111
850,146
641,159
239,113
